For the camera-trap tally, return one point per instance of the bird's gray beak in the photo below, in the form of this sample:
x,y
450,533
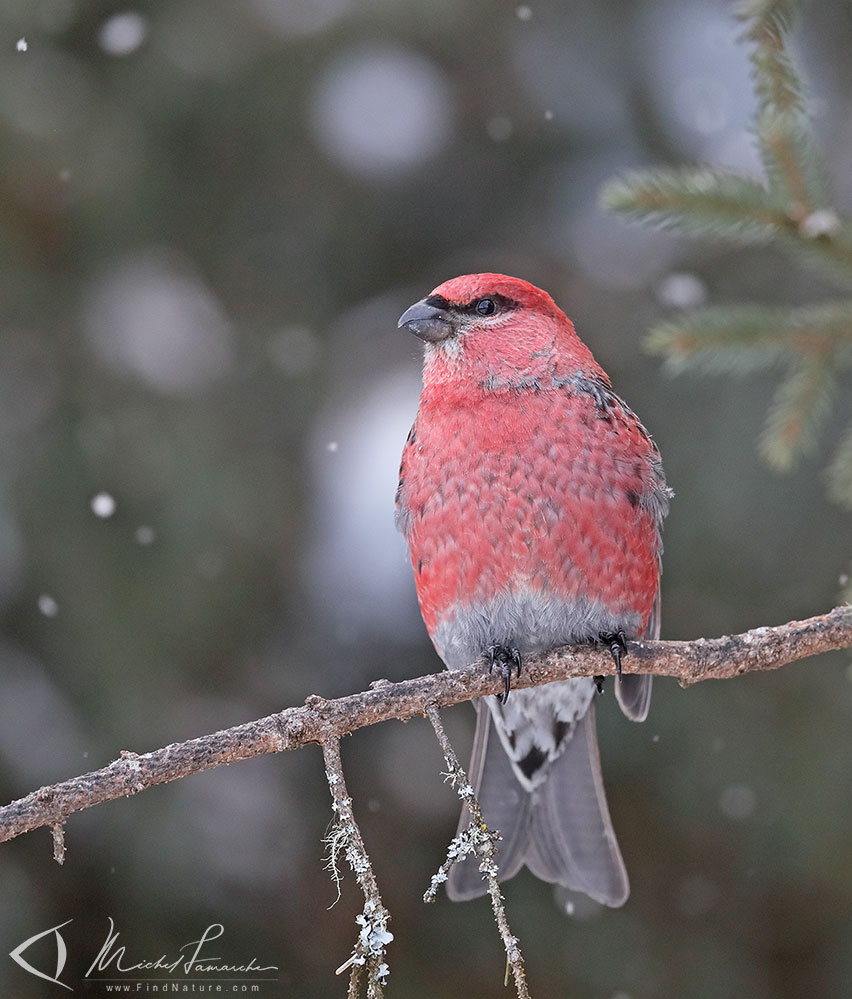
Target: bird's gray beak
x,y
427,321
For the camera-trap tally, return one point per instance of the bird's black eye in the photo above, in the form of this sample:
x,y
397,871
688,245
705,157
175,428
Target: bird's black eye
x,y
486,307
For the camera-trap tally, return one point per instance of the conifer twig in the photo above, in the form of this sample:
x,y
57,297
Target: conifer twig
x,y
801,405
700,200
792,210
479,840
737,338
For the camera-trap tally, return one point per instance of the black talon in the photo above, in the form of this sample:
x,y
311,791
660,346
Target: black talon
x,y
617,645
504,658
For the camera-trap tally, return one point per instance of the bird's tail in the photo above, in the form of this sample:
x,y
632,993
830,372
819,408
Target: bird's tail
x,y
561,830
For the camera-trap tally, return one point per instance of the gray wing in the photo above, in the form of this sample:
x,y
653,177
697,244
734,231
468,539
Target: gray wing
x,y
634,692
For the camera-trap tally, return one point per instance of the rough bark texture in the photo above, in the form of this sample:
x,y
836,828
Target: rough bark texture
x,y
319,719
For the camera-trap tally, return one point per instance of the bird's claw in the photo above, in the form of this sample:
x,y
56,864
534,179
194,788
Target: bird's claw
x,y
504,659
617,645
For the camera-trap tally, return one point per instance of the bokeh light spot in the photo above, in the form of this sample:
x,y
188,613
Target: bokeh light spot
x,y
380,111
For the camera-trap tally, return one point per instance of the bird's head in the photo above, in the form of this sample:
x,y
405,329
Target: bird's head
x,y
499,330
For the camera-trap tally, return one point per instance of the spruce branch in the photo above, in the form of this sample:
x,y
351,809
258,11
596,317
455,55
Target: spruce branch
x,y
800,407
840,472
726,339
789,152
743,338
776,82
319,720
698,200
792,212
793,165
724,206
769,15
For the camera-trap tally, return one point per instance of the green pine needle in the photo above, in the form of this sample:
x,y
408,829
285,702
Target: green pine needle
x,y
840,472
721,205
702,201
736,339
776,81
792,211
744,338
779,14
824,328
800,407
792,162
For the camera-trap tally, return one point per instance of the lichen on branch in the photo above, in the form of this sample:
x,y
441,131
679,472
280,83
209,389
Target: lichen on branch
x,y
318,719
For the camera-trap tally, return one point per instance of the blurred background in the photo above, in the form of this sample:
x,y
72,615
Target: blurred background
x,y
211,216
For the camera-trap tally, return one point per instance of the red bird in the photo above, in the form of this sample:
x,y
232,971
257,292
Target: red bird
x,y
532,500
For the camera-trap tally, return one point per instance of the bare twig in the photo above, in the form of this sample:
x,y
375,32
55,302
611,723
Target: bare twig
x,y
319,719
368,954
58,831
478,838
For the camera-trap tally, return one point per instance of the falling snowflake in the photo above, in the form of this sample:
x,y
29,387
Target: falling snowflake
x,y
103,505
47,605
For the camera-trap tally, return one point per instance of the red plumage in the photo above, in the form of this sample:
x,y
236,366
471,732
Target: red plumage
x,y
531,498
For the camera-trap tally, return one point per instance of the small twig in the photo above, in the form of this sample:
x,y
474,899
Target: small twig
x,y
58,831
689,662
479,839
368,954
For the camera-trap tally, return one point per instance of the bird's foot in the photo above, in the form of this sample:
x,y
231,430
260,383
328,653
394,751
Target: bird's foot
x,y
599,683
504,659
617,645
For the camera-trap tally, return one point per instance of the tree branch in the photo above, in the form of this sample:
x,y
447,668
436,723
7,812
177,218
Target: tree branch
x,y
369,952
481,841
320,720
